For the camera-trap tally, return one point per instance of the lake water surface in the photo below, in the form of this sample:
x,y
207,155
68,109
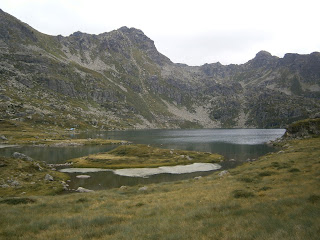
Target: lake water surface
x,y
236,145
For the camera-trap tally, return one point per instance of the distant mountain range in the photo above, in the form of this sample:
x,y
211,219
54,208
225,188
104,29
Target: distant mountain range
x,y
118,80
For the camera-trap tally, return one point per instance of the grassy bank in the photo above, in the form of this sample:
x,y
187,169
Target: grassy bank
x,y
25,134
139,155
275,197
19,177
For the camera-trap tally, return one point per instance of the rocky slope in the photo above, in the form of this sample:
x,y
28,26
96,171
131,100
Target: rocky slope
x,y
118,80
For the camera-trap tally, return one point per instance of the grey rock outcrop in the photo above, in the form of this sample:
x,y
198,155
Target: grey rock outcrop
x,y
48,177
3,138
21,156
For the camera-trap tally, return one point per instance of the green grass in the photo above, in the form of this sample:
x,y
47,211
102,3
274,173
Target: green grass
x,y
27,178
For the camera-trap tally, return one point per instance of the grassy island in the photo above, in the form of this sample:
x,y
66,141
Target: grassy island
x,y
139,155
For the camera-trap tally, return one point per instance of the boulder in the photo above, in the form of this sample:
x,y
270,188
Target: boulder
x,y
143,189
83,190
21,156
223,173
65,185
48,177
3,138
38,165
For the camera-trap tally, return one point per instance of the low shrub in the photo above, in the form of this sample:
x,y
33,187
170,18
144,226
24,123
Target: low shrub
x,y
242,194
15,201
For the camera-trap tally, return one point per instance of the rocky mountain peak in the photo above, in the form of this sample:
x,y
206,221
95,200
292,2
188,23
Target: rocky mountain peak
x,y
263,54
77,34
263,59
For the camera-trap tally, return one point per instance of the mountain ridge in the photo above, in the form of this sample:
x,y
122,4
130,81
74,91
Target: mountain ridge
x,y
119,80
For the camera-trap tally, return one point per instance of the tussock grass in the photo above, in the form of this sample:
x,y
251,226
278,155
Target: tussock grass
x,y
278,204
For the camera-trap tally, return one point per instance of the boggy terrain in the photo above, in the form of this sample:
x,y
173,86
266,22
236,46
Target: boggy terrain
x,y
274,197
118,80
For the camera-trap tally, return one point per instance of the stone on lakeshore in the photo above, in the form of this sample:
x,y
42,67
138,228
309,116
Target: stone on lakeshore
x,y
21,156
83,190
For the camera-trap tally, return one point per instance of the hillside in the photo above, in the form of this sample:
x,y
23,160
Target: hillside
x,y
118,80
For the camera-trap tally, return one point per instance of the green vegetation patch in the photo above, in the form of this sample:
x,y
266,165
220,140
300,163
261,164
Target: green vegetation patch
x,y
15,201
132,156
20,177
303,128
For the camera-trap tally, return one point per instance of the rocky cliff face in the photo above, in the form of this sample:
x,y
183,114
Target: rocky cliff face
x,y
119,80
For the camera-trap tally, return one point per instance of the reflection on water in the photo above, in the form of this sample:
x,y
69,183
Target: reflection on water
x,y
237,144
55,154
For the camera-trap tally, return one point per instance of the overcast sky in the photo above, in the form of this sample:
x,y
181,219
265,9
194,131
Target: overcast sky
x,y
192,32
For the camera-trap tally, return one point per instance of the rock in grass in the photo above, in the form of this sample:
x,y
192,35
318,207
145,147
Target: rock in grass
x,y
48,177
65,185
3,138
83,190
223,173
15,183
143,189
21,156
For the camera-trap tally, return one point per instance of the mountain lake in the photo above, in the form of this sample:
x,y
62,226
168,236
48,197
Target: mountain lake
x,y
236,145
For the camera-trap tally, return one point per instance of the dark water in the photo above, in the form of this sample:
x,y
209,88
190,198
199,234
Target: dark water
x,y
237,144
